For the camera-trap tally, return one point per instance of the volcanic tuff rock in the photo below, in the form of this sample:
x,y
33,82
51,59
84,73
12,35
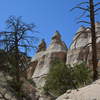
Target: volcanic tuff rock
x,y
90,92
57,49
80,49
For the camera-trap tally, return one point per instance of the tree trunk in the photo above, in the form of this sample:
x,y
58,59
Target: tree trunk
x,y
17,68
93,34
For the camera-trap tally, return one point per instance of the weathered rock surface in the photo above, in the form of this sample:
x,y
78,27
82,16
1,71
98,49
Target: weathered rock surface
x,y
42,46
5,90
8,93
80,49
57,49
90,92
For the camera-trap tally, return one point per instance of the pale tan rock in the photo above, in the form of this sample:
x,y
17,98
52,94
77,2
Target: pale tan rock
x,y
0,96
34,60
90,92
13,98
8,95
30,70
80,49
42,46
57,49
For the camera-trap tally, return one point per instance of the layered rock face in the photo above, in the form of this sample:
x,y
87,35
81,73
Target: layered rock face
x,y
57,49
80,49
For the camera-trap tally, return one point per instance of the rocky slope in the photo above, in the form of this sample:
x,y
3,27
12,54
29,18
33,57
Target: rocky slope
x,y
90,92
8,93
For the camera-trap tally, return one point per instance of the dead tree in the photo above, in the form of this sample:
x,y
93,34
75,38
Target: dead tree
x,y
90,10
18,37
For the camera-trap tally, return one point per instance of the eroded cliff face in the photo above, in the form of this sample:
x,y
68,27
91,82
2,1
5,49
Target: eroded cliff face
x,y
57,49
80,49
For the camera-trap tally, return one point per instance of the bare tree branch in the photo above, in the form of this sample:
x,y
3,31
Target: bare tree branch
x,y
83,22
97,4
97,10
82,3
81,8
83,14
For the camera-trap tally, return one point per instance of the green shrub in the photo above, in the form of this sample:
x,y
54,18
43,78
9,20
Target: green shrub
x,y
63,77
82,75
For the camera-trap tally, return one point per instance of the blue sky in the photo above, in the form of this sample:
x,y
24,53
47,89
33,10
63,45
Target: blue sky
x,y
48,15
